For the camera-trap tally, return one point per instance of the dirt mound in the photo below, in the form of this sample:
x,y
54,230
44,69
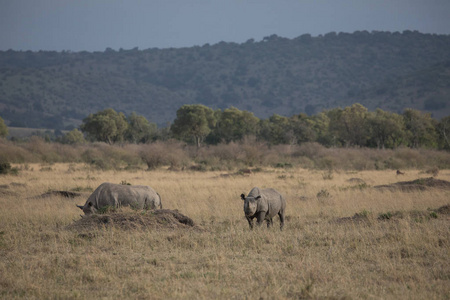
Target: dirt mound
x,y
356,180
367,217
131,220
65,194
420,184
357,218
444,210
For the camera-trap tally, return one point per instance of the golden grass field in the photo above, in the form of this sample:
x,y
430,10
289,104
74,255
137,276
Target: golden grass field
x,y
316,256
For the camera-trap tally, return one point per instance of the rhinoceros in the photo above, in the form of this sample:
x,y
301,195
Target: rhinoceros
x,y
264,204
118,195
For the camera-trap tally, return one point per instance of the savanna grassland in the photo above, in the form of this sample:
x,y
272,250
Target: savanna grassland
x,y
343,238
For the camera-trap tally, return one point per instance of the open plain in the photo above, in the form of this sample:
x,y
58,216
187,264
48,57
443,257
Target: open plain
x,y
343,238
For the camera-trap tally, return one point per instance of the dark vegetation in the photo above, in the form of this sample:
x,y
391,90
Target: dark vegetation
x,y
5,168
391,71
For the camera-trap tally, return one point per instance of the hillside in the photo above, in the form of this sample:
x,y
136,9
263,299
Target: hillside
x,y
427,89
276,75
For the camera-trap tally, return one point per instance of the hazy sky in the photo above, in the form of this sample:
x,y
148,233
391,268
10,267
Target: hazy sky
x,y
94,25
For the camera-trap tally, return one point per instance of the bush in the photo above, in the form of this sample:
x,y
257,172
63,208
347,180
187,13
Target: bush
x,y
231,156
323,194
73,137
5,168
162,154
309,150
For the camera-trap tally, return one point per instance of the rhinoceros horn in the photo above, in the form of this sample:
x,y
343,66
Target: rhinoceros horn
x,y
80,207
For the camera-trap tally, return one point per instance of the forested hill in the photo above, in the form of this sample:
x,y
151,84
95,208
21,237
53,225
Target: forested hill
x,y
391,71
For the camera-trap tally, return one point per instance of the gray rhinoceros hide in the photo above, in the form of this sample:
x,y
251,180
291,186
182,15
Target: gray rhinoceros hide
x,y
118,195
264,204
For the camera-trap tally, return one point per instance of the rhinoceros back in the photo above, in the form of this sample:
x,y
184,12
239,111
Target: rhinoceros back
x,y
117,195
271,200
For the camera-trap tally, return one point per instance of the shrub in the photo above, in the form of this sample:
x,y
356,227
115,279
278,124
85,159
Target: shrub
x,y
323,194
73,137
326,163
252,153
159,154
309,150
5,168
284,165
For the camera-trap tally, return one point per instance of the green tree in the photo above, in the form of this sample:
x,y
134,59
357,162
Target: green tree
x,y
351,125
386,129
277,130
193,122
302,129
3,129
420,128
443,129
321,125
73,137
139,130
233,124
334,128
106,126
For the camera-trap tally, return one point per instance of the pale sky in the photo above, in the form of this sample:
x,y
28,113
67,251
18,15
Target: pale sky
x,y
94,25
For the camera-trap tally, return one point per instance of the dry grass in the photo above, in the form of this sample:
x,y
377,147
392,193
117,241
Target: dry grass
x,y
316,256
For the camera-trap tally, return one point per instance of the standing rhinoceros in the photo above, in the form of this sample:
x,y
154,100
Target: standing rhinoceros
x,y
117,195
264,204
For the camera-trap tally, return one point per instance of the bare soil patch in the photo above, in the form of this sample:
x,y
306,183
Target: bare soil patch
x,y
132,220
420,184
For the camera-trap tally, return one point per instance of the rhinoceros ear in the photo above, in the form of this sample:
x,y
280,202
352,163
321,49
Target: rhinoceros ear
x,y
242,196
80,207
258,197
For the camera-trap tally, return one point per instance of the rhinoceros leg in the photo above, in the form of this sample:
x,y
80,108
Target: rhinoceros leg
x,y
281,220
250,221
260,217
269,222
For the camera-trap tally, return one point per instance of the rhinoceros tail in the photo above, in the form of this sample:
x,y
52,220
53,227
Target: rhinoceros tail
x,y
160,200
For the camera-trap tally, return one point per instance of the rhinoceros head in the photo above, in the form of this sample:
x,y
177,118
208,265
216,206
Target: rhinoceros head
x,y
88,208
250,204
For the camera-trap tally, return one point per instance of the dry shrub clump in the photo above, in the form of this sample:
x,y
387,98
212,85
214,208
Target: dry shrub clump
x,y
16,153
221,157
235,155
247,153
164,153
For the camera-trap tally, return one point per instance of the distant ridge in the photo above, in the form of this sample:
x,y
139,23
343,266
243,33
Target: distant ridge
x,y
393,71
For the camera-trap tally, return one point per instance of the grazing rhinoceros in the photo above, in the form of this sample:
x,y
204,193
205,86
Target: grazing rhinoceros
x,y
117,195
264,204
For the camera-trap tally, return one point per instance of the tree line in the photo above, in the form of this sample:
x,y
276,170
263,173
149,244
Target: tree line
x,y
352,126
